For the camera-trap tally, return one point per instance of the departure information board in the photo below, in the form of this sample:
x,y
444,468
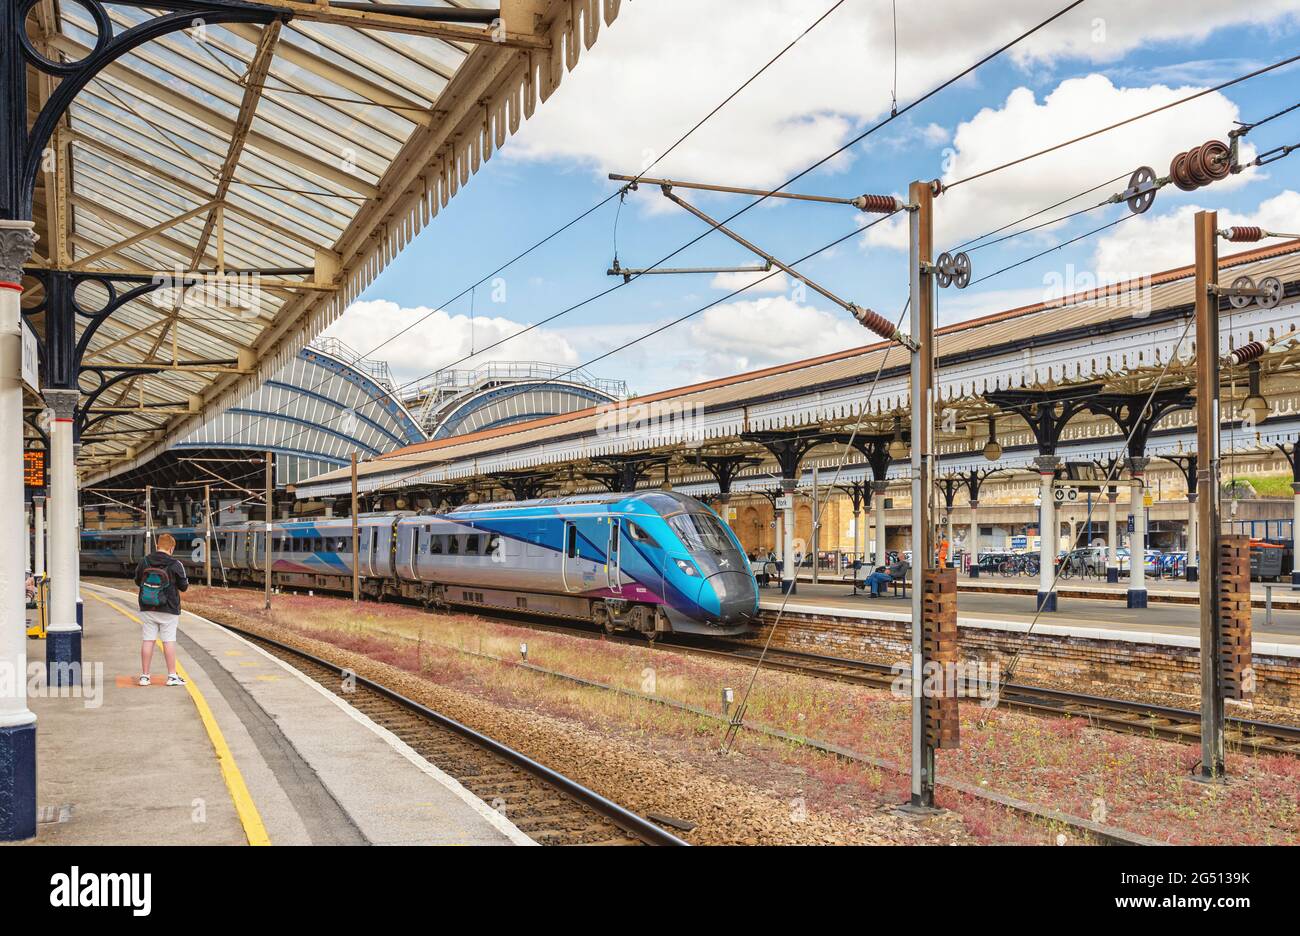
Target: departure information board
x,y
34,469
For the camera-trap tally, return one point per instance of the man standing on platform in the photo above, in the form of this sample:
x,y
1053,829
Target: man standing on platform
x,y
161,578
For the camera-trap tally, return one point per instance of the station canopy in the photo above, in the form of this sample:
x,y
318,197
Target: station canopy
x,y
262,176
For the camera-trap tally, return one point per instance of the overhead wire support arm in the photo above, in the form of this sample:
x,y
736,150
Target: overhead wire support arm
x,y
877,204
870,319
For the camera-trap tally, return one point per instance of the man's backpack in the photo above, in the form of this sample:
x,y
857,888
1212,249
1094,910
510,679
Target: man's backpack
x,y
153,586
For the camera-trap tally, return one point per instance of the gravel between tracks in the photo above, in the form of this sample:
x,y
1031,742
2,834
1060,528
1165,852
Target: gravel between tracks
x,y
638,776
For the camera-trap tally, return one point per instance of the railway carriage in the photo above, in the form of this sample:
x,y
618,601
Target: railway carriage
x,y
650,562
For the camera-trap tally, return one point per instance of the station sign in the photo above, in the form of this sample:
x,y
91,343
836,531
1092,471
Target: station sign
x,y
34,469
31,359
784,502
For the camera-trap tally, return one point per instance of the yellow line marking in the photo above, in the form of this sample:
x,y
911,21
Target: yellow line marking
x,y
246,809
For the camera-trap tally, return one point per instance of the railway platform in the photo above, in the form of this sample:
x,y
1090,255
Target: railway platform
x,y
1013,610
249,752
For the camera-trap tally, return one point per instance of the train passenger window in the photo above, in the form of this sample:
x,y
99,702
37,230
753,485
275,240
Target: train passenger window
x,y
343,545
453,545
639,535
471,545
435,544
494,546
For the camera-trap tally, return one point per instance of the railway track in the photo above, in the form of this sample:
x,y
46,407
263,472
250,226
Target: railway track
x,y
1165,722
547,806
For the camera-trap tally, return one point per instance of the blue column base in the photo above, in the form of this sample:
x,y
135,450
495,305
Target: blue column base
x,y
81,615
1112,576
1137,597
788,587
18,783
974,571
1046,601
1193,574
63,658
1295,578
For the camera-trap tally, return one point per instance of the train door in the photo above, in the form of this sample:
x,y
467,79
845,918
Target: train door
x,y
570,571
613,561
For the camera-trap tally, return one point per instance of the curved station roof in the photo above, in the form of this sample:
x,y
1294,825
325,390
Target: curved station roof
x,y
258,174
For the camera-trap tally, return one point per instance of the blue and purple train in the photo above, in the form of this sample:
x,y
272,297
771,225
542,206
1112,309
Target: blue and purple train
x,y
652,562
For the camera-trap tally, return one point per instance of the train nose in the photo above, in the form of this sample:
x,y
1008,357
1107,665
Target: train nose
x,y
737,595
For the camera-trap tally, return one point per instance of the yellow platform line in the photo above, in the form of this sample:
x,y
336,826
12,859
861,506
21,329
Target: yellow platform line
x,y
249,817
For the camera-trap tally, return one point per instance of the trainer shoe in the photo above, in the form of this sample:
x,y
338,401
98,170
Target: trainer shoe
x,y
174,680
144,680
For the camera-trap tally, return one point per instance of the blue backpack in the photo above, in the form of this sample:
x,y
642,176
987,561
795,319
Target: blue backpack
x,y
153,584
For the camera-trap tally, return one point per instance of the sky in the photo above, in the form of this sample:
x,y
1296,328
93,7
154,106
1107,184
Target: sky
x,y
664,64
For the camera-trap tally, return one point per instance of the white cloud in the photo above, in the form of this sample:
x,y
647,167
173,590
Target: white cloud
x,y
1152,243
663,65
750,281
1024,124
749,334
440,339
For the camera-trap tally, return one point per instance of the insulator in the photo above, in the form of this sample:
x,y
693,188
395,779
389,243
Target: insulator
x,y
1246,234
1216,160
877,204
1201,165
1246,353
1178,173
874,321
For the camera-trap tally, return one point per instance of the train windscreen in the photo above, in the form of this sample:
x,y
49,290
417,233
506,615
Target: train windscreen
x,y
701,531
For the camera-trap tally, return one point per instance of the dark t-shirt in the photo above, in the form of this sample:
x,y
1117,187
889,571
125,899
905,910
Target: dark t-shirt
x,y
171,598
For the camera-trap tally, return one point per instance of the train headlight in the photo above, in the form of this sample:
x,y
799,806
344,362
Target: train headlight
x,y
687,567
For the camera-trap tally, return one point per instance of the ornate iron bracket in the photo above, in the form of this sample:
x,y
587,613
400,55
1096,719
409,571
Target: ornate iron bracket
x,y
76,75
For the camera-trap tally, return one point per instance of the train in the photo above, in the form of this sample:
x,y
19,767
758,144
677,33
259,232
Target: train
x,y
651,562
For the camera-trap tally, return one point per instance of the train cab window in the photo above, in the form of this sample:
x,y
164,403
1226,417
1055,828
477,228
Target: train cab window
x,y
639,535
435,544
453,545
471,545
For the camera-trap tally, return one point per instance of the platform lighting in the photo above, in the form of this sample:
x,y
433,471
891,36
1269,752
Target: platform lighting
x,y
992,449
1255,404
897,447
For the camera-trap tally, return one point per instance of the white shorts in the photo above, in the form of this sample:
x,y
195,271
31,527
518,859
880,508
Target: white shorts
x,y
158,625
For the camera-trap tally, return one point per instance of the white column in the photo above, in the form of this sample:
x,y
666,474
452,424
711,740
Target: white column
x,y
17,723
1112,539
778,540
1048,533
1295,533
815,532
787,554
27,540
857,530
1193,558
973,540
63,638
1137,561
882,531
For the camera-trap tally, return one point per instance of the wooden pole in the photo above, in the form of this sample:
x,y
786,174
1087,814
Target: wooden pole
x,y
1207,489
356,536
207,533
270,485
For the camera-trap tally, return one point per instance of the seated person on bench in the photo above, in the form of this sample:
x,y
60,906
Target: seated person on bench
x,y
880,578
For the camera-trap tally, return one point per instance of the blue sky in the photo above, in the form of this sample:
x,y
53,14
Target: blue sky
x,y
640,88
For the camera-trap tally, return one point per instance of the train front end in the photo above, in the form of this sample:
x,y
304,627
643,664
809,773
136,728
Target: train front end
x,y
713,571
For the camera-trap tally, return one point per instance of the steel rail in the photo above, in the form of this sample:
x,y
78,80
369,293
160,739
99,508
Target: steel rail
x,y
628,821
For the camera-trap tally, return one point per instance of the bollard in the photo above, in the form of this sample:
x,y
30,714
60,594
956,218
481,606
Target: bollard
x,y
523,652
